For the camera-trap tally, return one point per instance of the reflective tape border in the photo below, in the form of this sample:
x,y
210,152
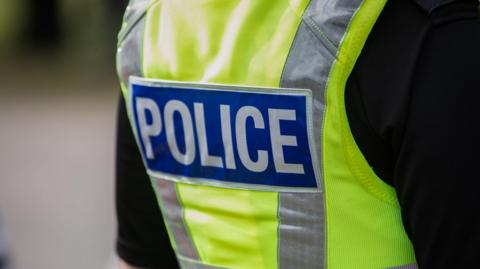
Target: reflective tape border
x,y
191,172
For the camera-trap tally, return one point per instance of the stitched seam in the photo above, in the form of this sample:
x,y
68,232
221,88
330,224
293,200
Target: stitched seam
x,y
317,32
348,139
317,27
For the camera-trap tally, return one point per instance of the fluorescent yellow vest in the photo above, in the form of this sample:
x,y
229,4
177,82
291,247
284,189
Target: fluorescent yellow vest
x,y
354,220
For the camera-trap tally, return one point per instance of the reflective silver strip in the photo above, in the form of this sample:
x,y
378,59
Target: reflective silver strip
x,y
129,63
408,266
173,211
302,228
129,52
194,264
332,17
135,11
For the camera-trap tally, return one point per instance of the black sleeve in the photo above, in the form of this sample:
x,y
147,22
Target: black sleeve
x,y
413,103
436,171
142,237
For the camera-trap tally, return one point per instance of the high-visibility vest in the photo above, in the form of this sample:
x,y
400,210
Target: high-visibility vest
x,y
352,218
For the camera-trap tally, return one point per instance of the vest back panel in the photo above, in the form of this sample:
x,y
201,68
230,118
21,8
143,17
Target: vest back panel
x,y
353,221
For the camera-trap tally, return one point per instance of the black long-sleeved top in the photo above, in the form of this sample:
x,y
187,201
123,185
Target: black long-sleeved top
x,y
412,102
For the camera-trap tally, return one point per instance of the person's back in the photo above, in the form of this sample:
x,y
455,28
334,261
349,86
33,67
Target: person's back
x,y
302,195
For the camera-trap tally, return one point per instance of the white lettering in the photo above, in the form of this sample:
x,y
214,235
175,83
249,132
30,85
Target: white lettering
x,y
170,108
227,136
152,126
205,158
279,141
240,125
148,130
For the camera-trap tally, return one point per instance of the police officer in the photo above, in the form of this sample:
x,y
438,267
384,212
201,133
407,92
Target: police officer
x,y
299,134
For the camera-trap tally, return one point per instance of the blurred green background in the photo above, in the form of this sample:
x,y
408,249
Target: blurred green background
x,y
58,96
82,29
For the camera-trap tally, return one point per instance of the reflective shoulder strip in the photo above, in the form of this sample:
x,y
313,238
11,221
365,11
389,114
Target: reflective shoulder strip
x,y
135,11
172,208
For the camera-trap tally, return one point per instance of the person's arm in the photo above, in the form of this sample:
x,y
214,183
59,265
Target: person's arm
x,y
413,104
436,173
142,240
425,117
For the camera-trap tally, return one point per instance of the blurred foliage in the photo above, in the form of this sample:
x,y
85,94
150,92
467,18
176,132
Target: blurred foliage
x,y
88,30
11,23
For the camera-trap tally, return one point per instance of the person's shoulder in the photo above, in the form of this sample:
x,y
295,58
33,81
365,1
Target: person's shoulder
x,y
444,11
430,5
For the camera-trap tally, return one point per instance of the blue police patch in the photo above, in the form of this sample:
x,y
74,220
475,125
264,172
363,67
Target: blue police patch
x,y
226,136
